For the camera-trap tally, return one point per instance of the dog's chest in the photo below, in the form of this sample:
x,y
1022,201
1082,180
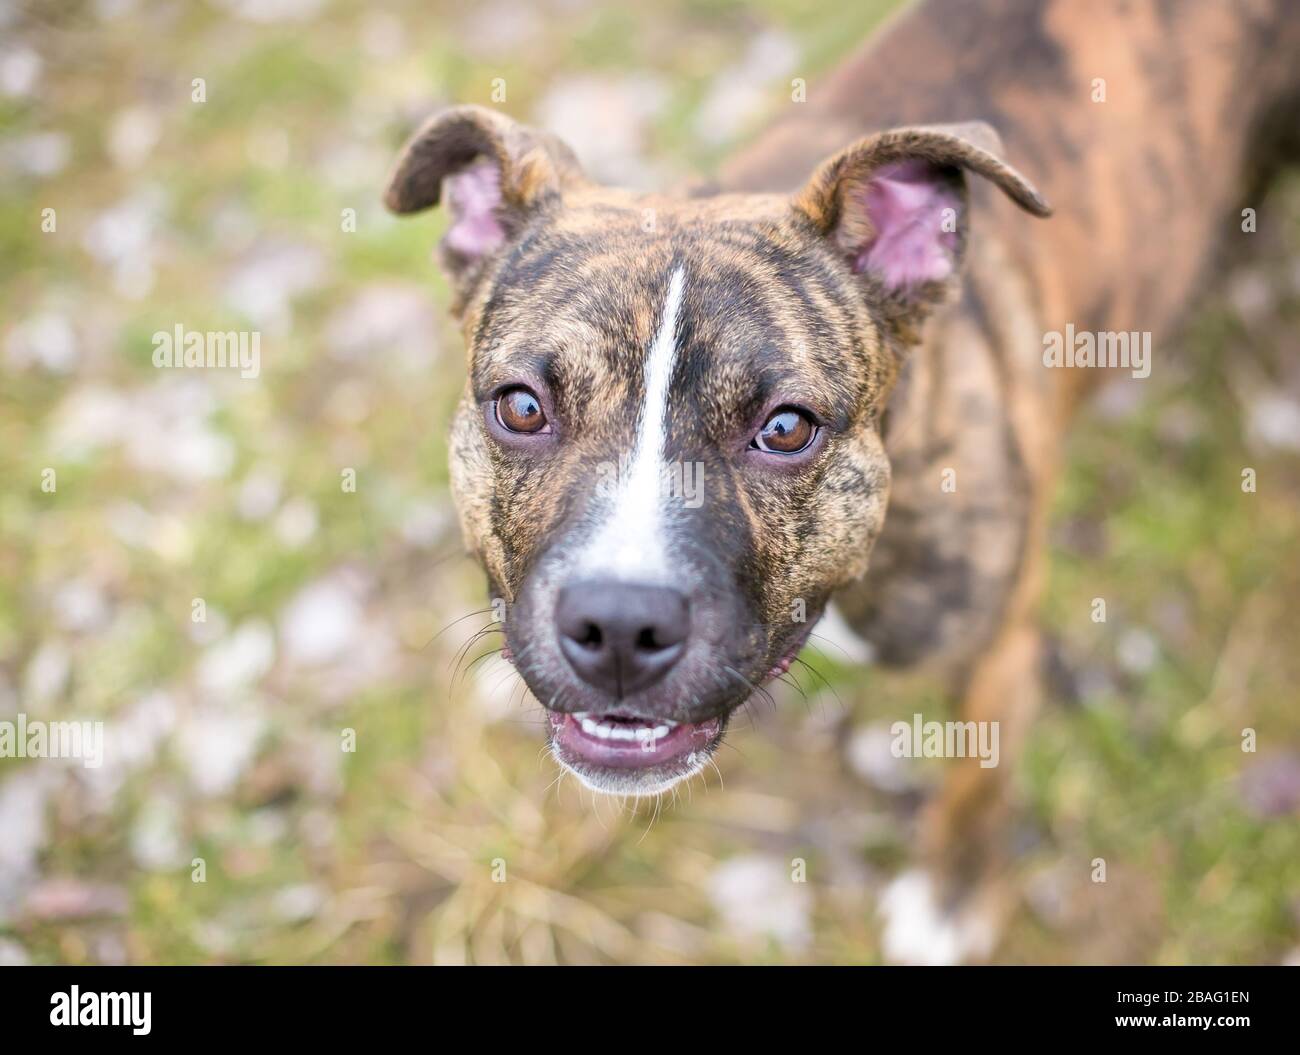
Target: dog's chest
x,y
960,435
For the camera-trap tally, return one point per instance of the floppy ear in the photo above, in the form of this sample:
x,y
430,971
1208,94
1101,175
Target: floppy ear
x,y
497,175
894,207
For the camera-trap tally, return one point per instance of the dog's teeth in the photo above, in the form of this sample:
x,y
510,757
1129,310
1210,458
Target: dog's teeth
x,y
642,733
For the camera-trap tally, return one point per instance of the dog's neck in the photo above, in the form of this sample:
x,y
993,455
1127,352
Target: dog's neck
x,y
1145,140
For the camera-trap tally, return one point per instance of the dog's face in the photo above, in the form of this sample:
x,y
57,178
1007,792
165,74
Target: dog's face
x,y
669,450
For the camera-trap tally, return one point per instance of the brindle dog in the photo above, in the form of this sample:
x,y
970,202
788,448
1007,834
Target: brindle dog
x,y
811,358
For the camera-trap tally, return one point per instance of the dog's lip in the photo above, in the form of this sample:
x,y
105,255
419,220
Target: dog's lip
x,y
796,646
614,741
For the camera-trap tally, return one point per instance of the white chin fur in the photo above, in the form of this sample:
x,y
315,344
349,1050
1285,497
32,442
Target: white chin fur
x,y
633,783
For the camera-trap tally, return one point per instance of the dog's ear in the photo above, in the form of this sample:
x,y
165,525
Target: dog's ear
x,y
496,175
894,207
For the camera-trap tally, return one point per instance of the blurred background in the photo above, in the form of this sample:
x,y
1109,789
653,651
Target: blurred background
x,y
323,607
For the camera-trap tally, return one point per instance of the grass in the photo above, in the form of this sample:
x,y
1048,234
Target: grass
x,y
391,853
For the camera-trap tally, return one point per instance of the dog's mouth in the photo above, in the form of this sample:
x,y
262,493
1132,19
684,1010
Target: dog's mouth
x,y
618,752
629,755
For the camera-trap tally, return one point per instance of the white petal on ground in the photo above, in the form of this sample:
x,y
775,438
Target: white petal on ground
x,y
426,521
321,622
270,11
295,904
132,135
170,432
68,897
870,755
756,899
155,840
162,428
239,661
383,36
1119,398
387,318
46,675
259,493
265,282
295,524
218,743
604,120
126,229
46,339
743,92
40,154
500,28
132,740
20,72
12,954
1274,421
1137,651
79,605
22,820
90,417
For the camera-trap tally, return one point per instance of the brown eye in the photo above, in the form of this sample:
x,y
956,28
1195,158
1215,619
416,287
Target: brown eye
x,y
787,431
519,410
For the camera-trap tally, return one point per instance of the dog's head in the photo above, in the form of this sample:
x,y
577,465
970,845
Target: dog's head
x,y
669,450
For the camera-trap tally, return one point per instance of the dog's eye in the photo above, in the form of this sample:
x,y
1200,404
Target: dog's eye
x,y
519,410
788,431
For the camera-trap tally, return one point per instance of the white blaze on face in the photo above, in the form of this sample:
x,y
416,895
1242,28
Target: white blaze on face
x,y
630,543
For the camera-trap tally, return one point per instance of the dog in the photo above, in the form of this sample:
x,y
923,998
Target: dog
x,y
841,341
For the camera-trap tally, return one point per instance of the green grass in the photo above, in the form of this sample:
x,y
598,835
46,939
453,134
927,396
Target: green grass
x,y
397,840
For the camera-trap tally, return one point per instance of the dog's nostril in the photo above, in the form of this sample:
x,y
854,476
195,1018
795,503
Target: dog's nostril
x,y
648,640
621,637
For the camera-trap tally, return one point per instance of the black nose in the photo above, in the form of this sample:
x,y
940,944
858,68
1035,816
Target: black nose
x,y
619,636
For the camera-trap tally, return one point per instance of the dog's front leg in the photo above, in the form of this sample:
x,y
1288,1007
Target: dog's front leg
x,y
951,907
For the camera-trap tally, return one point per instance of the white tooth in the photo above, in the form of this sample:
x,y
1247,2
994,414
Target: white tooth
x,y
623,733
645,733
605,731
588,726
660,730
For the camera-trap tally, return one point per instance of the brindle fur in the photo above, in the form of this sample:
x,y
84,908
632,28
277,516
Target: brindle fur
x,y
1145,185
1201,104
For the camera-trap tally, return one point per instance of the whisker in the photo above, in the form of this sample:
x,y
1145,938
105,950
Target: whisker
x,y
461,619
461,653
818,674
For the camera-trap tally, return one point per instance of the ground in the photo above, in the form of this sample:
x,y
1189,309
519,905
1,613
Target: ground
x,y
204,579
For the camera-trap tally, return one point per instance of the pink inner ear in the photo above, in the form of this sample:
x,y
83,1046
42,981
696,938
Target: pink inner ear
x,y
906,202
473,195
